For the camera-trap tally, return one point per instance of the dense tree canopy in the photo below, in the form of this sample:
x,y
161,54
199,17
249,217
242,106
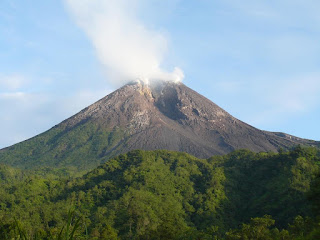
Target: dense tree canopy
x,y
168,195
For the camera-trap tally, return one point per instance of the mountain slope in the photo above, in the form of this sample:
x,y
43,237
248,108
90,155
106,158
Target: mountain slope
x,y
158,116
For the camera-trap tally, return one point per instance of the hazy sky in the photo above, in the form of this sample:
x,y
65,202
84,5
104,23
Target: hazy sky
x,y
257,59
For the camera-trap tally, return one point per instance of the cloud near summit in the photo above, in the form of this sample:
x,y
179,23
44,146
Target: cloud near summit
x,y
125,47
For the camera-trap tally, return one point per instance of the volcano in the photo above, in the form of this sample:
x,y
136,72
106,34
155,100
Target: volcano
x,y
160,115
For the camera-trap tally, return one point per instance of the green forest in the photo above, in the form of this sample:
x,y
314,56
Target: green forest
x,y
167,195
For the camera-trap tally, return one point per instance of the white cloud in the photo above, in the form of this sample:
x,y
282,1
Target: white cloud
x,y
296,95
12,95
12,82
77,101
24,115
270,100
281,100
126,48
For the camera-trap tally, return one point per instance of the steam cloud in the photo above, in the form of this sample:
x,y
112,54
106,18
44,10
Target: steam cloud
x,y
123,44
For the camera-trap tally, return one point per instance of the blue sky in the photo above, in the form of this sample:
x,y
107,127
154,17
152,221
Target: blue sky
x,y
259,60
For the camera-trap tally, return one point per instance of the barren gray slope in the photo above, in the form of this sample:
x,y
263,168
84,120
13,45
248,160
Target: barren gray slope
x,y
137,116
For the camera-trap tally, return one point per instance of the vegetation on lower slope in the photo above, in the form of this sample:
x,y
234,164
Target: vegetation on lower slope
x,y
169,195
82,147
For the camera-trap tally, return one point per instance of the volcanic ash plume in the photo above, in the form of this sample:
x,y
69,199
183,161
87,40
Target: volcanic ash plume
x,y
123,44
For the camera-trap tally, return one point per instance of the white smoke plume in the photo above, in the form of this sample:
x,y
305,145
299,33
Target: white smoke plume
x,y
127,49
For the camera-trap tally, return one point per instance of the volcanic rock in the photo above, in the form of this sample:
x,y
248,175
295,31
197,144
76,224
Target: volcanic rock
x,y
160,115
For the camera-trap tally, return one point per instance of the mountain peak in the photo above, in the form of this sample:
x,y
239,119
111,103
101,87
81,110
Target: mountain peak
x,y
157,115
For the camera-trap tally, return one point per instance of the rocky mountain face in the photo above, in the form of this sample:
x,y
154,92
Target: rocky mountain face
x,y
160,115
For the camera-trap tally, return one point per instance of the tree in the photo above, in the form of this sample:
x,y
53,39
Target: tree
x,y
257,229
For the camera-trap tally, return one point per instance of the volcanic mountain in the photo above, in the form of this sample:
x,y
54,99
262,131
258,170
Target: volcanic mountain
x,y
160,115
